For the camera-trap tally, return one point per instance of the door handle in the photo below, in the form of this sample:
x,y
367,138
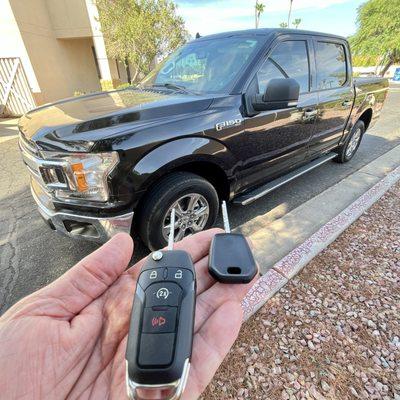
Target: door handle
x,y
347,103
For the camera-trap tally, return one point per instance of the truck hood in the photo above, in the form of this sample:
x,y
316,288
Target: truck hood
x,y
81,121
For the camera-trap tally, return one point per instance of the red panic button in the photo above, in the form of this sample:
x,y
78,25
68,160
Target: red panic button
x,y
159,320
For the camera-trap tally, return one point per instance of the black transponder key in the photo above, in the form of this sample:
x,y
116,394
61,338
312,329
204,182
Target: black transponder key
x,y
161,328
231,259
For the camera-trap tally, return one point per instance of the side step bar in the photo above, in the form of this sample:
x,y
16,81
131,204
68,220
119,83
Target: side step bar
x,y
261,191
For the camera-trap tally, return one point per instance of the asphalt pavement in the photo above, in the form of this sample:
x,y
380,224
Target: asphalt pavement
x,y
31,255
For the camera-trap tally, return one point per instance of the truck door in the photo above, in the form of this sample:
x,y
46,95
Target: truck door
x,y
335,93
275,141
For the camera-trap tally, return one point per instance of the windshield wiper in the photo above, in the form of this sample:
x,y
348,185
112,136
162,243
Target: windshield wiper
x,y
173,86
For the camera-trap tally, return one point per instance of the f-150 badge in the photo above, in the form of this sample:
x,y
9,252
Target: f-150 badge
x,y
227,124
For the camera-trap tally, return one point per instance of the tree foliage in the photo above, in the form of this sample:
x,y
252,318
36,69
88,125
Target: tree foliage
x,y
138,31
296,22
378,32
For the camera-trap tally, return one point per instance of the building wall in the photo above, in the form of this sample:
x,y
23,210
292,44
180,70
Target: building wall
x,y
69,18
55,41
12,44
62,66
371,70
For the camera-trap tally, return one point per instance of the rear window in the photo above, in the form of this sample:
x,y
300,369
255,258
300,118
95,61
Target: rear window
x,y
331,65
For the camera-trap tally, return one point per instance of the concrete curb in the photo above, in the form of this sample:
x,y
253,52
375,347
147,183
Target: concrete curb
x,y
298,258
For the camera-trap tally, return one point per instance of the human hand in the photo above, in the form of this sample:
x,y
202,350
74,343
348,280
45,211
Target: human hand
x,y
68,340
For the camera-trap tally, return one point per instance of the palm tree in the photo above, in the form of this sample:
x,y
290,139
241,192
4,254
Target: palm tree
x,y
297,22
259,9
283,25
290,13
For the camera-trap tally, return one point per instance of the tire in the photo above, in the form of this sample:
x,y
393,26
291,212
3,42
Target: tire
x,y
347,151
182,187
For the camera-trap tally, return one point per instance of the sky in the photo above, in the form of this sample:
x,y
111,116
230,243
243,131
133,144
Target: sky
x,y
213,16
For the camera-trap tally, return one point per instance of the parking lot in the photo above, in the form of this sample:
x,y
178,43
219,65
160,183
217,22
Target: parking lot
x,y
31,255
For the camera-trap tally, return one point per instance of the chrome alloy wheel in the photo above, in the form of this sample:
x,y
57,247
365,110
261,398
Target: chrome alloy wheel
x,y
353,143
191,215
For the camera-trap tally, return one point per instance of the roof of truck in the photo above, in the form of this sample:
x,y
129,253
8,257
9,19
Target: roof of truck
x,y
268,32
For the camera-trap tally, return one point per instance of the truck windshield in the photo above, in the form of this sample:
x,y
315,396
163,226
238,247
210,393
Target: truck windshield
x,y
204,66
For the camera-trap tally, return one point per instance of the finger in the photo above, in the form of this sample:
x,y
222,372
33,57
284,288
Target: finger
x,y
198,246
88,279
209,301
203,278
210,346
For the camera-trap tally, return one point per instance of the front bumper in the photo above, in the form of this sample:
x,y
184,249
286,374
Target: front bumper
x,y
80,225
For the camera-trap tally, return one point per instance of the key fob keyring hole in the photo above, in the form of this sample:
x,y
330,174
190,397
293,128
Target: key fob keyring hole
x,y
234,270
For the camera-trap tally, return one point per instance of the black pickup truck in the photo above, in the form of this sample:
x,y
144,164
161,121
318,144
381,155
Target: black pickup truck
x,y
229,116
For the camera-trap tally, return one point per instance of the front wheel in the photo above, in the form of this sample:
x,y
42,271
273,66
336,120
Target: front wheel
x,y
196,208
349,148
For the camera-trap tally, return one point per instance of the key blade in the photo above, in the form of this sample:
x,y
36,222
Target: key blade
x,y
225,218
171,236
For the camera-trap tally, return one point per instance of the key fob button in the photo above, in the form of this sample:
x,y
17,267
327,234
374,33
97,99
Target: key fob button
x,y
181,276
159,320
163,294
156,349
151,276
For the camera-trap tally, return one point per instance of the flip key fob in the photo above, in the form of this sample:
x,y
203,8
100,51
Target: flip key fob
x,y
161,328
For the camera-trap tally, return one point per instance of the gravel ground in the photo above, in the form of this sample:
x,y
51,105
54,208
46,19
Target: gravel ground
x,y
333,331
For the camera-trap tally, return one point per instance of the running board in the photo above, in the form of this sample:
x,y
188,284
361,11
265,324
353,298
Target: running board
x,y
261,191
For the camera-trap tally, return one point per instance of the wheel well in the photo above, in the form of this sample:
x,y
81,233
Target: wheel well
x,y
209,171
212,172
366,117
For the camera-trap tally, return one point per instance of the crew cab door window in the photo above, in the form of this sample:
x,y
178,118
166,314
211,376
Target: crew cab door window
x,y
287,60
331,65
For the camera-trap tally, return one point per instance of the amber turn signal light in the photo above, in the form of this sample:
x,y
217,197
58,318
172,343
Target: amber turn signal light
x,y
80,178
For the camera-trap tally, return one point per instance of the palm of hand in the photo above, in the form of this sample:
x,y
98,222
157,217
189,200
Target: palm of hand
x,y
68,340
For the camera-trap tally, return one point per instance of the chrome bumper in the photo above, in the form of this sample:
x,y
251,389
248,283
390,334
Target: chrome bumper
x,y
81,226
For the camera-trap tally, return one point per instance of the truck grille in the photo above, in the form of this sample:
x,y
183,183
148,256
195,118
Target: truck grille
x,y
48,174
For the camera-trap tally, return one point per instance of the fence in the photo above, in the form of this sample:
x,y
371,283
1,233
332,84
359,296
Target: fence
x,y
15,93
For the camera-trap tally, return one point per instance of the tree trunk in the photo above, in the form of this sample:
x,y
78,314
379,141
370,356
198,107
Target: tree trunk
x,y
128,71
135,75
290,14
387,66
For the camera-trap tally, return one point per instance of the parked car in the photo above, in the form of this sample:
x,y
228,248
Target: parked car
x,y
228,116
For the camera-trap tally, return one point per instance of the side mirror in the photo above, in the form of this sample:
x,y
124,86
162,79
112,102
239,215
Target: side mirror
x,y
279,93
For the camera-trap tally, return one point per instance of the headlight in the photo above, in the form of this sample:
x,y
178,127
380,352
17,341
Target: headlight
x,y
79,175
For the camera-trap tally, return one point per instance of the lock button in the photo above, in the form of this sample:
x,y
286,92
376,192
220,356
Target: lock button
x,y
151,276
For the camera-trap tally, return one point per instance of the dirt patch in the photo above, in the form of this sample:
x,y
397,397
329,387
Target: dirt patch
x,y
333,331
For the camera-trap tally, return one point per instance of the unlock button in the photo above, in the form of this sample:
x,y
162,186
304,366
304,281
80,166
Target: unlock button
x,y
182,276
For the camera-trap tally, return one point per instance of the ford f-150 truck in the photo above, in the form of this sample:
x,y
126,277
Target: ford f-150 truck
x,y
228,116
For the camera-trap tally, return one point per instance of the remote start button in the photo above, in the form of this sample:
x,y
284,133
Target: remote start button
x,y
163,294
